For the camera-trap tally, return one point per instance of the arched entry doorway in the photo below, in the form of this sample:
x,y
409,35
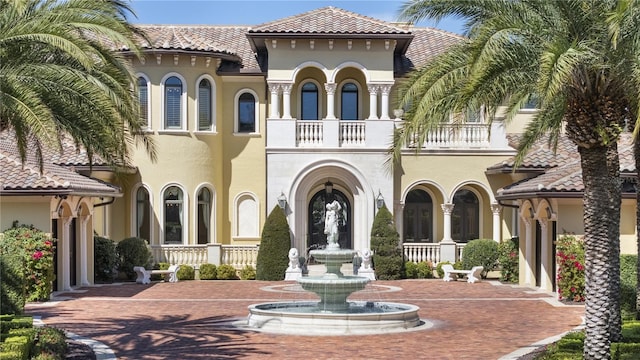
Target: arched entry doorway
x,y
317,210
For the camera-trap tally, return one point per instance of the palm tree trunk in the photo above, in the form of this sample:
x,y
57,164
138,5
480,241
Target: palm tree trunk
x,y
615,198
598,274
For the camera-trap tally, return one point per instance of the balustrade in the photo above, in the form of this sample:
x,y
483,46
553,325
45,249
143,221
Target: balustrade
x,y
240,256
193,255
419,252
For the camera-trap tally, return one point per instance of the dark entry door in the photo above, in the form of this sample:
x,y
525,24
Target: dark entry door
x,y
54,234
73,263
317,209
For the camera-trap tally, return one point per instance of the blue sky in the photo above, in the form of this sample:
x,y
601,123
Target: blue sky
x,y
254,12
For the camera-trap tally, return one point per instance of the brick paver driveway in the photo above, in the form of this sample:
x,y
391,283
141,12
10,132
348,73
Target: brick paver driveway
x,y
190,320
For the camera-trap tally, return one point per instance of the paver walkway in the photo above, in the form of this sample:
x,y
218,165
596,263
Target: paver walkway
x,y
190,320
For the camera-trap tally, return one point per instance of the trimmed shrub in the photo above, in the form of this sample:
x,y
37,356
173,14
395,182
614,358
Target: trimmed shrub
x,y
133,252
226,272
207,272
186,272
105,259
410,270
12,285
439,270
385,245
273,255
480,252
628,285
248,273
425,270
159,266
50,340
508,260
570,260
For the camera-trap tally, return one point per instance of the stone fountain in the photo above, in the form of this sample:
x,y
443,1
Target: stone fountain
x,y
333,314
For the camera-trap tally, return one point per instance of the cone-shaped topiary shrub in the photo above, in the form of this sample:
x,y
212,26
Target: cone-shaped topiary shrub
x,y
273,255
385,244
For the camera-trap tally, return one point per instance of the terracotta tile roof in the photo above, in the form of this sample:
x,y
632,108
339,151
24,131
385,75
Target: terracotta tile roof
x,y
329,20
57,176
562,171
221,40
427,43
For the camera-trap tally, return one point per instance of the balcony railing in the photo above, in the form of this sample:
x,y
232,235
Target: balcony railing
x,y
457,136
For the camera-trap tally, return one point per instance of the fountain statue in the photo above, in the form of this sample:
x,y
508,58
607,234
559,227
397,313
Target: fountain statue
x,y
333,314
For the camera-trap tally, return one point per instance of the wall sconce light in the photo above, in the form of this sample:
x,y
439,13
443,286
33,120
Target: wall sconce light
x,y
60,211
328,187
282,201
379,200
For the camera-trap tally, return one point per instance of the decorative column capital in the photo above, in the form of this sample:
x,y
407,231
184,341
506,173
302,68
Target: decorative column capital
x,y
286,88
274,88
330,88
373,88
385,89
496,209
447,208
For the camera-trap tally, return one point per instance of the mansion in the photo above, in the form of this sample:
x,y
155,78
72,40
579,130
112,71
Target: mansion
x,y
292,113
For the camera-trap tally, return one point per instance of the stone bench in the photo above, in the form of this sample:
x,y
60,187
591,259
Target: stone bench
x,y
143,276
472,275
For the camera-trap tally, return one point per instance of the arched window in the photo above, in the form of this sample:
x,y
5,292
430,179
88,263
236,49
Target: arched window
x,y
246,113
173,215
173,103
465,219
143,214
349,101
204,215
418,217
309,101
143,97
204,106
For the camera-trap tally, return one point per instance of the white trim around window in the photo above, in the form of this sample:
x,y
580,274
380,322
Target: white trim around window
x,y
183,214
212,103
183,103
210,221
148,99
135,215
236,119
339,97
321,95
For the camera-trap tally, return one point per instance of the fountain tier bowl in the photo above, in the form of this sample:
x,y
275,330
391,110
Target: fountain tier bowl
x,y
360,318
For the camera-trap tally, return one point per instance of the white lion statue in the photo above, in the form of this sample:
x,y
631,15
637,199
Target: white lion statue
x,y
294,259
366,259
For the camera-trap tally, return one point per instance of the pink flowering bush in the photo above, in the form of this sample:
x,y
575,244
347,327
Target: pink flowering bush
x,y
570,261
34,249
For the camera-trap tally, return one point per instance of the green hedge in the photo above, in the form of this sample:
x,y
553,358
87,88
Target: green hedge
x,y
133,252
207,272
628,289
105,259
186,272
388,261
226,272
480,252
273,254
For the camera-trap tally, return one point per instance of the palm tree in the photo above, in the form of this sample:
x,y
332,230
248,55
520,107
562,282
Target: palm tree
x,y
60,75
579,59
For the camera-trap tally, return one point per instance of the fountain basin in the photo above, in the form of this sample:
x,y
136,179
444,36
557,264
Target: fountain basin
x,y
341,287
359,318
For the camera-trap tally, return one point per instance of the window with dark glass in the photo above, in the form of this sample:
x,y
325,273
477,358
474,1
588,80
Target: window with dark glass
x,y
204,105
173,215
465,218
204,215
173,103
349,102
246,113
143,214
309,101
143,97
418,217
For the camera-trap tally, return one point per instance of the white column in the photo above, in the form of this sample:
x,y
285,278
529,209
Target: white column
x,y
84,269
64,254
496,209
274,88
447,209
544,255
286,100
385,90
373,102
529,239
330,88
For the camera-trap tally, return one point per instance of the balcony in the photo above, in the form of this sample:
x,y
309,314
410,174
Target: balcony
x,y
377,134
